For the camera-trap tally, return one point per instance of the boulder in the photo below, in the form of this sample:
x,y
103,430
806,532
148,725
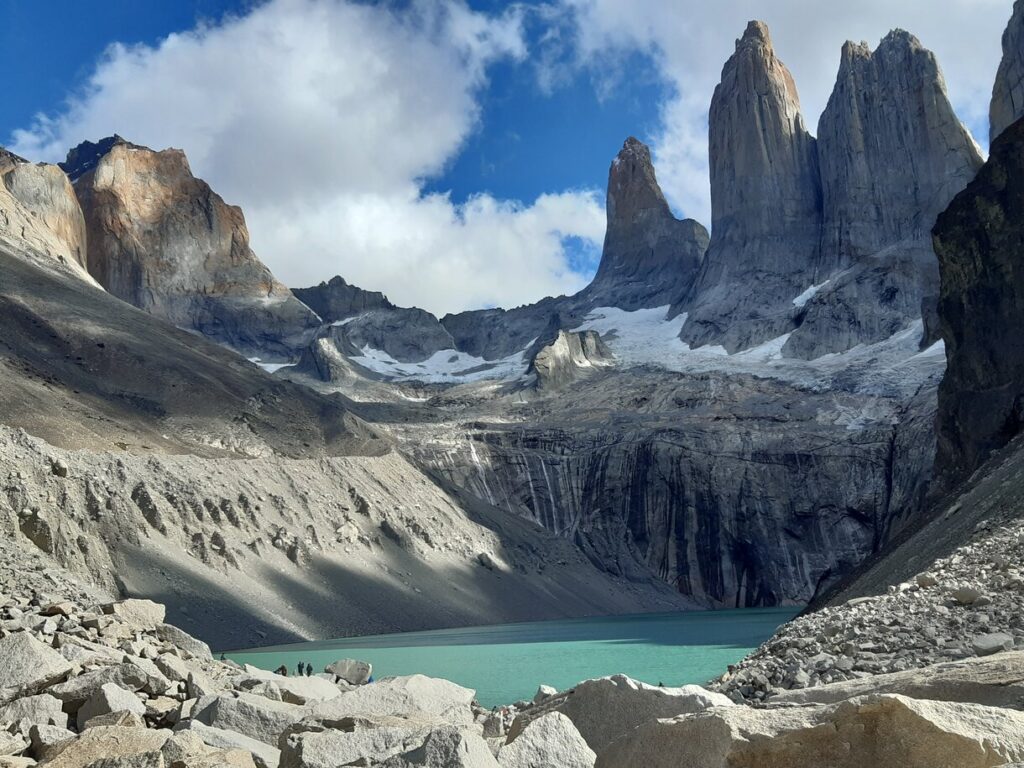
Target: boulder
x,y
993,642
414,696
350,670
172,667
108,742
605,708
107,699
544,692
264,755
183,640
48,740
296,690
12,744
36,710
76,691
27,664
123,718
141,614
549,740
996,681
142,760
886,730
350,744
253,716
447,747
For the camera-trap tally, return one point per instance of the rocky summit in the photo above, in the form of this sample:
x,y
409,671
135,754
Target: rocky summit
x,y
816,405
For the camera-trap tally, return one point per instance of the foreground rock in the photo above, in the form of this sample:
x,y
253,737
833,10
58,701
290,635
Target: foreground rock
x,y
605,708
874,730
551,739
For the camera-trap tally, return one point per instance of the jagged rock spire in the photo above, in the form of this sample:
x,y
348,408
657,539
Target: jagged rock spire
x,y
765,199
892,151
1008,92
649,255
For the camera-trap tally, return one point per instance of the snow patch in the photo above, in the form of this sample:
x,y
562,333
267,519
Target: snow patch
x,y
271,367
447,366
809,294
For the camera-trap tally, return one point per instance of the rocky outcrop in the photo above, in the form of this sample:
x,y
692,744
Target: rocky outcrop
x,y
409,335
1008,91
337,300
163,241
892,154
879,730
606,708
891,150
979,239
570,357
40,215
765,201
650,258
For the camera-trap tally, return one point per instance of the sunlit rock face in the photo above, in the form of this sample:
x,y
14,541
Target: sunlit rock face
x,y
162,240
1008,92
765,201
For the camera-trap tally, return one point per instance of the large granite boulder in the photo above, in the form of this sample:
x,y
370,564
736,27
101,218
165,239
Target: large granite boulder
x,y
605,708
875,730
27,664
979,239
551,739
162,240
1007,104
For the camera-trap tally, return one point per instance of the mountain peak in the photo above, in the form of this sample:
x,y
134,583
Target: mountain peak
x,y
756,33
632,185
85,156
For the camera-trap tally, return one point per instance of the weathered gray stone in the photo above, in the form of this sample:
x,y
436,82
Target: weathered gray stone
x,y
875,730
28,664
350,670
36,710
993,642
414,696
142,614
109,698
108,742
551,739
183,640
265,756
253,716
78,690
605,708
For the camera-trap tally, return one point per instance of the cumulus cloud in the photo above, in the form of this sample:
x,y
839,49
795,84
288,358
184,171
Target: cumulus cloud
x,y
322,119
691,41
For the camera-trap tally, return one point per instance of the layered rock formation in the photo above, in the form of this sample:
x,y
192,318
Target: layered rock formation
x,y
162,240
650,258
979,240
765,201
1008,91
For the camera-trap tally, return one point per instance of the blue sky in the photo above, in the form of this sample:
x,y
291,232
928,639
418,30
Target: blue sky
x,y
451,154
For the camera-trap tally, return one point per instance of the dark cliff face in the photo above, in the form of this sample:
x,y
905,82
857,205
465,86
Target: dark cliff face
x,y
337,300
650,257
979,240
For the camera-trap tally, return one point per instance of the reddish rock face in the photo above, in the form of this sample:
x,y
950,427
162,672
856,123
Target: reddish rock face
x,y
162,240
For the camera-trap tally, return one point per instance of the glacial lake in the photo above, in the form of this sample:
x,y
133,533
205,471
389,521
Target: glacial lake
x,y
505,663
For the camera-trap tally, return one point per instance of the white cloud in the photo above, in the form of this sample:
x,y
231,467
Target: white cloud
x,y
321,118
691,41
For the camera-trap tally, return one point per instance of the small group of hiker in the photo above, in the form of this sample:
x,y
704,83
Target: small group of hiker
x,y
302,668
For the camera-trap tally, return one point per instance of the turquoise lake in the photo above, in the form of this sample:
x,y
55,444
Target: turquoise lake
x,y
505,663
